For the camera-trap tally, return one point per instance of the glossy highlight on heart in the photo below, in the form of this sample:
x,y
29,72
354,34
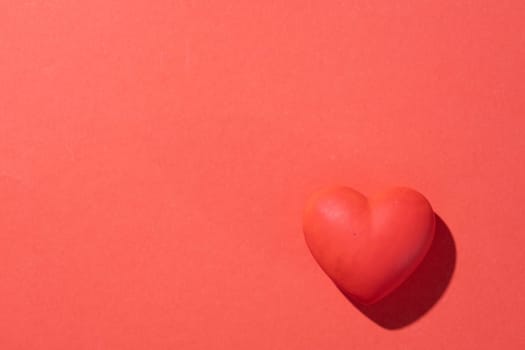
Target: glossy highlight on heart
x,y
368,246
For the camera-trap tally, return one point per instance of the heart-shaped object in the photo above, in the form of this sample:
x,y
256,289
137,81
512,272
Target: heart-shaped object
x,y
368,246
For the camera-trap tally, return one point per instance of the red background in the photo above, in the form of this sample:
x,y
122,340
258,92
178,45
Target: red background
x,y
155,157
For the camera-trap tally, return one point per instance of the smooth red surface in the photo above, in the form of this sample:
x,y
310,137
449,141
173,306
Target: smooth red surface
x,y
155,157
368,246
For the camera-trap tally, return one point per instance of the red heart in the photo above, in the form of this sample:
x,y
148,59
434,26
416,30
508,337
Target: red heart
x,y
368,246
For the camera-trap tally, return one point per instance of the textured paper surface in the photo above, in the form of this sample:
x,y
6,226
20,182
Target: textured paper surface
x,y
155,157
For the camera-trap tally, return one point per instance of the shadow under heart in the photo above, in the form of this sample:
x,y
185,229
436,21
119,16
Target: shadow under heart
x,y
420,292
